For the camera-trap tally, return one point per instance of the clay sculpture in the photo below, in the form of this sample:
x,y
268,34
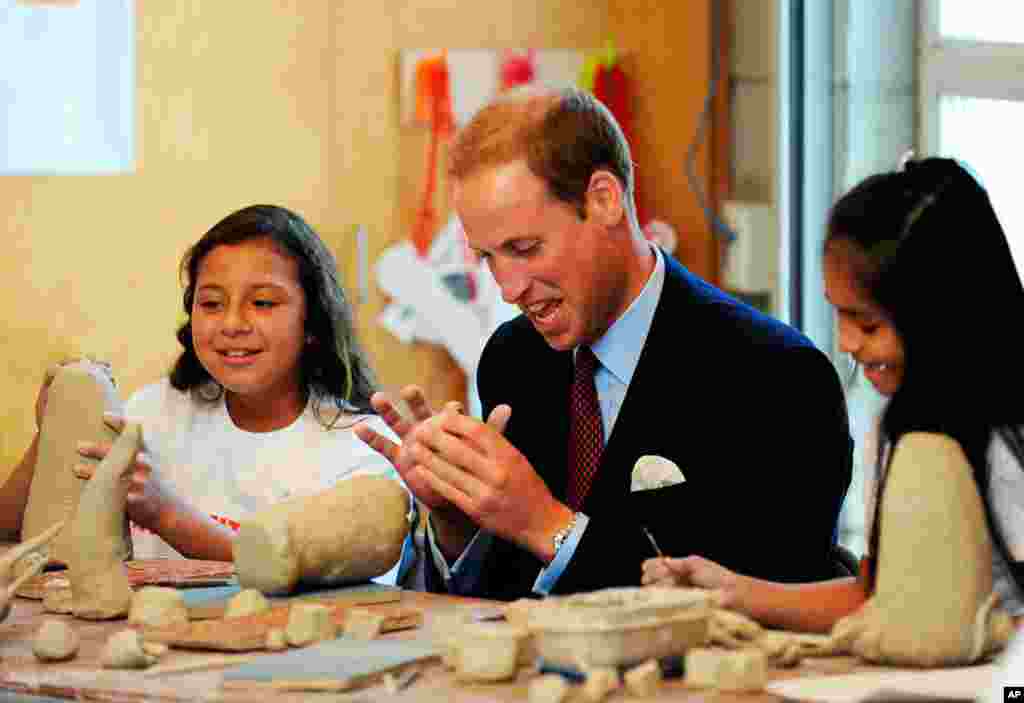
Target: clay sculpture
x,y
55,640
157,606
933,603
246,602
346,534
99,583
309,623
127,650
79,395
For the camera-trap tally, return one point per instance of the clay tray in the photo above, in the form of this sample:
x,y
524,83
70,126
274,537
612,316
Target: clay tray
x,y
619,626
249,632
181,573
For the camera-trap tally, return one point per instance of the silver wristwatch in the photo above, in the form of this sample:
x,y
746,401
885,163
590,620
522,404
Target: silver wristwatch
x,y
560,536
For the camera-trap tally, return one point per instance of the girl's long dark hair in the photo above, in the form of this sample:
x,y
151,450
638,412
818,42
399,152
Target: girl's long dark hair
x,y
334,369
936,261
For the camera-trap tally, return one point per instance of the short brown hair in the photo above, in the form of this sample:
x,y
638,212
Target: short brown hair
x,y
564,135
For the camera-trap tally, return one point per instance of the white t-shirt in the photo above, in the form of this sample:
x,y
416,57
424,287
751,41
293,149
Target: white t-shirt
x,y
230,473
1005,495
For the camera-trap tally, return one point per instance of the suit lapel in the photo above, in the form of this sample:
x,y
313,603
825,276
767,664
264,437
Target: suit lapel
x,y
541,429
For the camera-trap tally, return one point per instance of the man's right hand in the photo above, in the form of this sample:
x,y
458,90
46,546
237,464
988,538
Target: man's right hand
x,y
452,526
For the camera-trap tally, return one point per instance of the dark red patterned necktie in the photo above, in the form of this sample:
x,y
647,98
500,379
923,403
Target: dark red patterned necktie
x,y
586,431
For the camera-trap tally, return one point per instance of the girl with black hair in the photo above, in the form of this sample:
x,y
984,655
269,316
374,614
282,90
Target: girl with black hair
x,y
261,403
927,297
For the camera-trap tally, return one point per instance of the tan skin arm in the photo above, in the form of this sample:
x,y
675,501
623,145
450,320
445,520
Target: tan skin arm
x,y
14,490
803,607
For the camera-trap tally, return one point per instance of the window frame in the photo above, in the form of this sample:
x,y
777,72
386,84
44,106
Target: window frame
x,y
961,67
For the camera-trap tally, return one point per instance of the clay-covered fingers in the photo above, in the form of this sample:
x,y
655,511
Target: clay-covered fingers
x,y
484,437
444,476
379,443
460,449
390,414
417,402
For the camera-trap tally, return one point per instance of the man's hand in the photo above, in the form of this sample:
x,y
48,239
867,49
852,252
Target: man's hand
x,y
398,454
149,500
475,468
453,528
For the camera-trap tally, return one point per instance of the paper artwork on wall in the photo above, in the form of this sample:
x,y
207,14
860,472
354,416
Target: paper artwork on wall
x,y
476,75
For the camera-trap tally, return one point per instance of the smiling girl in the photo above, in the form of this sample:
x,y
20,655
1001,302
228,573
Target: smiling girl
x,y
261,403
926,297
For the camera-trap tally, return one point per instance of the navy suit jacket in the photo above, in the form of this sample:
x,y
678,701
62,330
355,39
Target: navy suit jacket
x,y
751,412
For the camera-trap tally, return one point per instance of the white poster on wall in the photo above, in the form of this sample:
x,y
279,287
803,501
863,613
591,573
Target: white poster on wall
x,y
67,86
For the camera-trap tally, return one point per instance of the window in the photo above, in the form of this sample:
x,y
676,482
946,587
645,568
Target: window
x,y
972,97
848,108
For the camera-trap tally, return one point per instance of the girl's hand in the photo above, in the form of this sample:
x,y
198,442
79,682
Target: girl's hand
x,y
697,572
148,498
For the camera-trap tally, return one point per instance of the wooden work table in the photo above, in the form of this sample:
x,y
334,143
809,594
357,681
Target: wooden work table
x,y
84,679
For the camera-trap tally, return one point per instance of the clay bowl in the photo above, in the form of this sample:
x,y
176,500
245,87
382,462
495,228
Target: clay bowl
x,y
620,626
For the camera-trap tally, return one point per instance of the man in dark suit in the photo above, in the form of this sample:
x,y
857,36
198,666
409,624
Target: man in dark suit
x,y
543,497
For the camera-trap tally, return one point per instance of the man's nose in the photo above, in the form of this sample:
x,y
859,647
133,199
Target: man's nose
x,y
512,281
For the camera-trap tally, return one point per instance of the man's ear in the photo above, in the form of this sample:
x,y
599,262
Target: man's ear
x,y
605,199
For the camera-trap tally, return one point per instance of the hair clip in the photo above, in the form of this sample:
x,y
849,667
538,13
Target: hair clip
x,y
905,158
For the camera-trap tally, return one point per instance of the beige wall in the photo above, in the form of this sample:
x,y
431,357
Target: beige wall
x,y
292,103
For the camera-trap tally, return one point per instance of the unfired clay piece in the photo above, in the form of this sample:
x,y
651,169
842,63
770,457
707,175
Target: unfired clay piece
x,y
488,651
731,629
154,649
643,680
619,626
933,603
57,598
742,670
363,624
599,683
346,534
99,584
79,395
933,599
156,606
276,640
549,688
309,623
248,601
55,641
124,650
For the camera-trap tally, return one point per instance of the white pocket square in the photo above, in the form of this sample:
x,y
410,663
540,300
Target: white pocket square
x,y
655,472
